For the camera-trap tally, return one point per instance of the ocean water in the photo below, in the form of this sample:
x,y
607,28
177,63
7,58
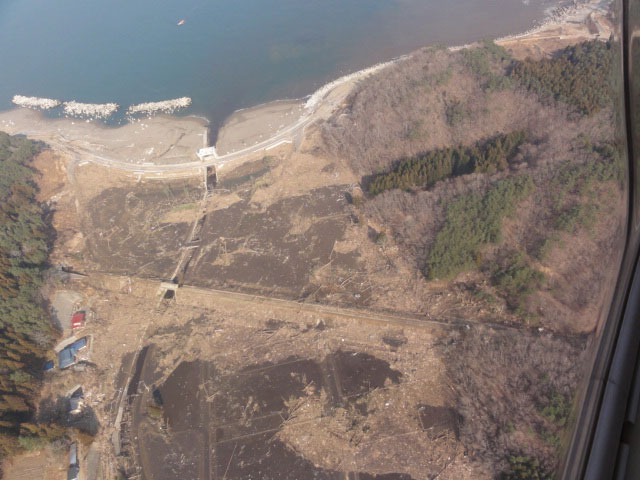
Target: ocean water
x,y
228,54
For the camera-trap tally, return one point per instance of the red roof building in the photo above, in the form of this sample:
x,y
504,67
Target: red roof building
x,y
78,320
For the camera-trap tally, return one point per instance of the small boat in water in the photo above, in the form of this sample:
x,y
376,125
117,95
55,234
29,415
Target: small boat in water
x,y
181,22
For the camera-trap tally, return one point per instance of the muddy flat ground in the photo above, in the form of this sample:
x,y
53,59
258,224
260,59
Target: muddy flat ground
x,y
283,225
278,246
127,227
247,392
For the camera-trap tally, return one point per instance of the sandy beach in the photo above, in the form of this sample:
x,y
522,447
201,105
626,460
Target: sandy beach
x,y
161,139
253,125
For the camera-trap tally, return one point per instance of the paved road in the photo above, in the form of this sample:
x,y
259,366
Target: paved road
x,y
82,154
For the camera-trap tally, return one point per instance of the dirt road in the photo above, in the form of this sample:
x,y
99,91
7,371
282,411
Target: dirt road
x,y
210,298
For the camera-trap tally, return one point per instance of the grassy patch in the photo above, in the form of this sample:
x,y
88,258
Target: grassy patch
x,y
488,63
456,112
438,79
579,178
517,281
32,443
416,131
557,410
381,239
484,296
183,207
543,250
472,221
524,467
583,215
154,411
579,181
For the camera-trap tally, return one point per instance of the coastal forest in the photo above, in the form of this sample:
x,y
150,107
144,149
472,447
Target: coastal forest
x,y
26,332
499,180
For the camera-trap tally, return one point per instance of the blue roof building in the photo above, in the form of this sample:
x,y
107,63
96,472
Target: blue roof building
x,y
67,355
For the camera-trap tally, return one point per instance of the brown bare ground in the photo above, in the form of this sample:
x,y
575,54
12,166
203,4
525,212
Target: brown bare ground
x,y
46,465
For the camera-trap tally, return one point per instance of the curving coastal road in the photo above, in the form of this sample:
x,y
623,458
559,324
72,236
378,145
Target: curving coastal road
x,y
81,154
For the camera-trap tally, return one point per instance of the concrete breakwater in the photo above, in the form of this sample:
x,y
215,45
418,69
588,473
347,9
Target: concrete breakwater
x,y
35,102
90,110
166,106
95,111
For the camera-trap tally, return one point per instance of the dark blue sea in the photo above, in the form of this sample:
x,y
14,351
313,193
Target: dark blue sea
x,y
228,54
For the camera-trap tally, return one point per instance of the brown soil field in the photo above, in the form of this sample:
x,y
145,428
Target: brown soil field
x,y
46,465
283,387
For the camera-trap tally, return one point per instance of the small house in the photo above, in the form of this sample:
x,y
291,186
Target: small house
x,y
78,320
76,400
67,356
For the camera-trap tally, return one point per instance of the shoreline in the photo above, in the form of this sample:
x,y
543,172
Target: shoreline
x,y
557,17
318,104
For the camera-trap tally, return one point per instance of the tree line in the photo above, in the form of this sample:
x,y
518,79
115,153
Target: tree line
x,y
26,333
425,170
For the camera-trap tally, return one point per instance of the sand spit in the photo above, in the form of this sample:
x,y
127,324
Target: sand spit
x,y
35,102
166,106
90,110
